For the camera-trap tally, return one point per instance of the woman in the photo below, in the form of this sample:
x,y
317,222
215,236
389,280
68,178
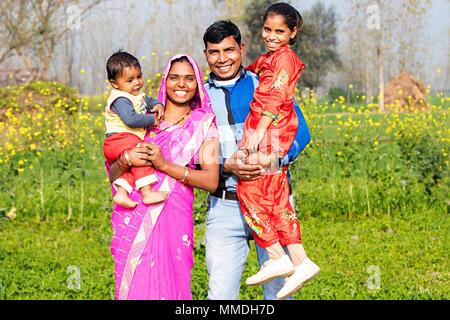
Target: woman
x,y
152,245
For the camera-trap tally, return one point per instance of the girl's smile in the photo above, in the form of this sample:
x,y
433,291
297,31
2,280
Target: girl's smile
x,y
275,32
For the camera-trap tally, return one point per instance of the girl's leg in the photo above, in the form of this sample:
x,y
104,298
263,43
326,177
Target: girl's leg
x,y
297,253
275,251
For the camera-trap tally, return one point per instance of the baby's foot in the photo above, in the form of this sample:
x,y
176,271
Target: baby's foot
x,y
122,199
151,197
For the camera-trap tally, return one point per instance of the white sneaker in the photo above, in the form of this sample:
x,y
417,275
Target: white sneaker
x,y
303,273
270,270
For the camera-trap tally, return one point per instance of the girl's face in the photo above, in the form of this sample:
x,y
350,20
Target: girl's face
x,y
181,83
276,33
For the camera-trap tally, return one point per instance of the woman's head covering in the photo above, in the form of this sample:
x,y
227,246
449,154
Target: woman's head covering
x,y
201,99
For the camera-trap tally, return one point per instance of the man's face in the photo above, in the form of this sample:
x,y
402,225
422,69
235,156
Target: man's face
x,y
225,58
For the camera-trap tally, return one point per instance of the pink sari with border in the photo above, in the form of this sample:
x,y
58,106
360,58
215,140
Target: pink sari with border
x,y
152,245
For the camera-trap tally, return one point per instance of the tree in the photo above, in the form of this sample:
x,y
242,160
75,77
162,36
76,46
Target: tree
x,y
380,59
32,30
317,45
390,35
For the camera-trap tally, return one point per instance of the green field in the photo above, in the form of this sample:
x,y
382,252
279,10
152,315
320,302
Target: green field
x,y
371,193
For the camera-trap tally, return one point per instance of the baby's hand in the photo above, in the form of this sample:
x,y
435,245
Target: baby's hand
x,y
158,110
156,124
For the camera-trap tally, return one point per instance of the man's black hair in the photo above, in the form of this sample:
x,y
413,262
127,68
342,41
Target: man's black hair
x,y
220,30
119,61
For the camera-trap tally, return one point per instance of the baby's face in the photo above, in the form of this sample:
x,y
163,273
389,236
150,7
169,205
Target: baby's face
x,y
130,80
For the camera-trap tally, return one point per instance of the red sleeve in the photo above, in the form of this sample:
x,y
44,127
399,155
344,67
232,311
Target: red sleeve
x,y
278,83
252,67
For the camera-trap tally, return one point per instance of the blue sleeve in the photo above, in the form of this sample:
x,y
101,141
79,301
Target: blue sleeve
x,y
124,109
302,138
151,103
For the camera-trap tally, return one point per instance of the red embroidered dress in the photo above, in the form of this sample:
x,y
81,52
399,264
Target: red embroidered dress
x,y
265,202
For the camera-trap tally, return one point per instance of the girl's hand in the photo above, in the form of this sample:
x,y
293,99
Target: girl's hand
x,y
253,140
156,156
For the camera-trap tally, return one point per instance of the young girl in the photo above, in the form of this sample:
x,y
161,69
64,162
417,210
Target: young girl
x,y
270,128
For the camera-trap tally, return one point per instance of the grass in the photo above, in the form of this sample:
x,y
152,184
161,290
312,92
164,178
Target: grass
x,y
48,259
371,193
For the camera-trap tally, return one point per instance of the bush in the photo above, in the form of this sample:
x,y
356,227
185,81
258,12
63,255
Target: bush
x,y
43,95
423,156
337,92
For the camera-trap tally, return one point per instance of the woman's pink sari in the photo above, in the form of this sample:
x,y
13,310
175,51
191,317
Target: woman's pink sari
x,y
152,245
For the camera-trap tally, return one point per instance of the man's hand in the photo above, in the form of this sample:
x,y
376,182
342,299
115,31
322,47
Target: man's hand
x,y
236,165
263,159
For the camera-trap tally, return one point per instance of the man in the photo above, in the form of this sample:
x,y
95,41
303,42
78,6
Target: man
x,y
227,236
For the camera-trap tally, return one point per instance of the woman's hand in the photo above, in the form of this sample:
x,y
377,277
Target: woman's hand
x,y
140,156
156,156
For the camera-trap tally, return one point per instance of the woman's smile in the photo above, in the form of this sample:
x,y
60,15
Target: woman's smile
x,y
180,93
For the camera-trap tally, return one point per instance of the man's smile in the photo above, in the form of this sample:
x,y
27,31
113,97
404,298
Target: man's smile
x,y
224,68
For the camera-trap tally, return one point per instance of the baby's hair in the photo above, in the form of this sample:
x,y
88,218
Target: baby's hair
x,y
291,16
119,61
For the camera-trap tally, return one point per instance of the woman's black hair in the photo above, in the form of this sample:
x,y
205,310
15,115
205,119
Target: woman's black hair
x,y
119,61
180,59
220,30
291,16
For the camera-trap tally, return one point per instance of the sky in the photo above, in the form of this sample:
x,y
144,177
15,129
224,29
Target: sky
x,y
438,32
96,41
437,20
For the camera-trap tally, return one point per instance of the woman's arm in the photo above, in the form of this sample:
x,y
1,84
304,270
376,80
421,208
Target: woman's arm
x,y
139,157
207,178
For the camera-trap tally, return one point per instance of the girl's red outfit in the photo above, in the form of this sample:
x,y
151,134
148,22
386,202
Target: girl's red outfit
x,y
264,202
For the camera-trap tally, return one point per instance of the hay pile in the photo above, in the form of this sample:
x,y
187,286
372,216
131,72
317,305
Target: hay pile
x,y
405,93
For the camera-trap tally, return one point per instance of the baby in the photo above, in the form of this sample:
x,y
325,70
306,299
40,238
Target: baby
x,y
128,114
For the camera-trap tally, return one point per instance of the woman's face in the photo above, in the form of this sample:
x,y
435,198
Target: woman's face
x,y
181,83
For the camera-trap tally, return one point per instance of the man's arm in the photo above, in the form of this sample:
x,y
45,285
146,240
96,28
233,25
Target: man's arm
x,y
302,138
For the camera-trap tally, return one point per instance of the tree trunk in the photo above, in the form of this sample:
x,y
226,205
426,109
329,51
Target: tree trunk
x,y
380,61
367,75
